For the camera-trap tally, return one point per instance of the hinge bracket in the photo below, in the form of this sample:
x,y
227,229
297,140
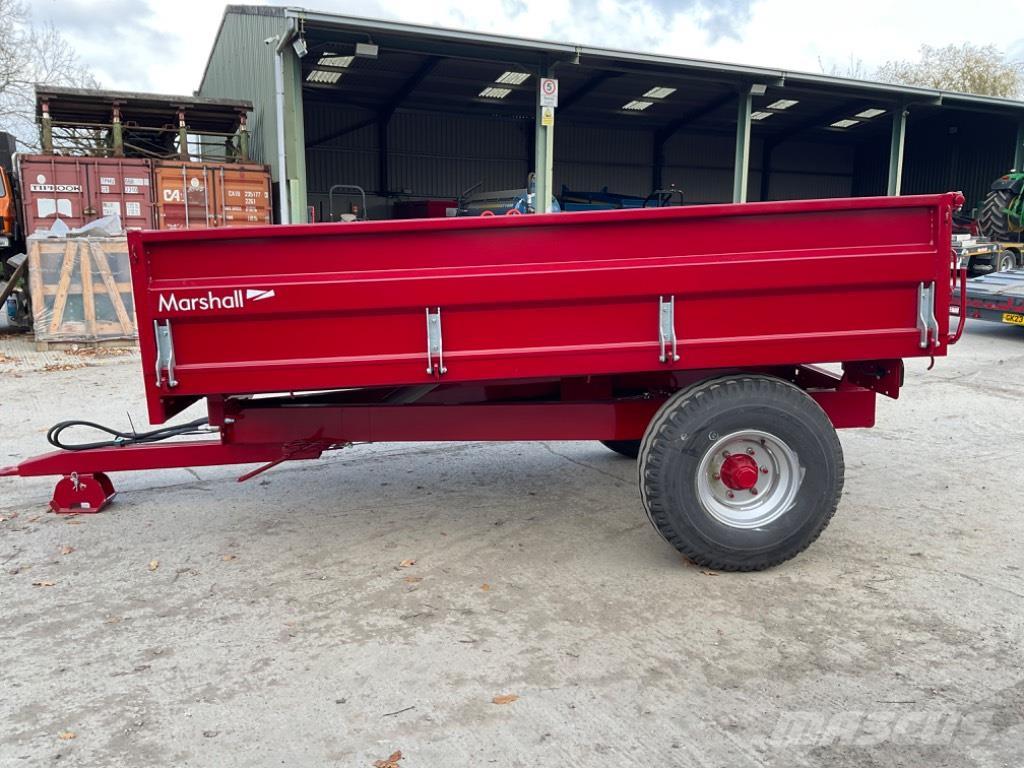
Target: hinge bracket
x,y
435,345
927,325
667,329
164,353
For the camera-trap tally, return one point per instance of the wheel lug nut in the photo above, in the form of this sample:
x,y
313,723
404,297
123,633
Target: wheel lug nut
x,y
750,451
716,476
753,491
764,470
726,454
731,495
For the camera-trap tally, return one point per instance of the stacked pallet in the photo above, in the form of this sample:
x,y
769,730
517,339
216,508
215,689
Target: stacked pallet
x,y
81,291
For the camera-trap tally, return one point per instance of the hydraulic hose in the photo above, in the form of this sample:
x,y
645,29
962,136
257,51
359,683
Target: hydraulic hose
x,y
121,438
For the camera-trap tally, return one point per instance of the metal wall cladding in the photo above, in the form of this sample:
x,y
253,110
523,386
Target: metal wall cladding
x,y
956,151
201,195
78,190
242,67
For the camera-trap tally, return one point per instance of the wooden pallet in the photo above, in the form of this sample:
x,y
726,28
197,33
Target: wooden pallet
x,y
81,289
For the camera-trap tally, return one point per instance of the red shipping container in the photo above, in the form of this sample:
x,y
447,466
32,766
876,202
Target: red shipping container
x,y
78,190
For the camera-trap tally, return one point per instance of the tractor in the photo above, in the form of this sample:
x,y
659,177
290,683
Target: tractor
x,y
1001,218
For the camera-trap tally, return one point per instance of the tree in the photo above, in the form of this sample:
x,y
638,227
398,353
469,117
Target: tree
x,y
31,54
964,68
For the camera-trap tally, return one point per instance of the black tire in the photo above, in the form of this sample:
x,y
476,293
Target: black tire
x,y
695,420
628,448
1004,261
993,222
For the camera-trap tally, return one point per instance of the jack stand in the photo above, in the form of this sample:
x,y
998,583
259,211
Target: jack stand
x,y
82,494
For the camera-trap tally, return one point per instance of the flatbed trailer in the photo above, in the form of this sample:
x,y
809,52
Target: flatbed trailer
x,y
690,338
997,297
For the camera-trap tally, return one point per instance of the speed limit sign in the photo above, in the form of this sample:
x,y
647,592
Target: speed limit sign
x,y
548,92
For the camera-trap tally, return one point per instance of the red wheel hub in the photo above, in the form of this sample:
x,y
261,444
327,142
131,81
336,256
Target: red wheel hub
x,y
739,472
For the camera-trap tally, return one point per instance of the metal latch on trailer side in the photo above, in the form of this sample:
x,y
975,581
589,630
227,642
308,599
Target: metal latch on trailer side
x,y
435,345
667,329
927,325
164,353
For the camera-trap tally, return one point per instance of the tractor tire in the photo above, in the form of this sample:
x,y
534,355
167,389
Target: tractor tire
x,y
741,473
993,222
628,448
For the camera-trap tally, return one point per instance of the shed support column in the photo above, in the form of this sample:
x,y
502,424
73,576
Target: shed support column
x,y
741,167
544,150
899,132
46,130
1018,152
291,133
116,132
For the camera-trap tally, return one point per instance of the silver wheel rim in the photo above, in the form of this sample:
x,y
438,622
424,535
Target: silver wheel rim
x,y
728,460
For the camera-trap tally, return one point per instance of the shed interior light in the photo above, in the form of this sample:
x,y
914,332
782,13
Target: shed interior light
x,y
846,123
320,76
869,113
659,92
783,104
513,78
636,105
367,50
331,60
490,92
760,115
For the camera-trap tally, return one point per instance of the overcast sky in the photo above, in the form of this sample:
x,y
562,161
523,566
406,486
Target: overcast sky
x,y
162,45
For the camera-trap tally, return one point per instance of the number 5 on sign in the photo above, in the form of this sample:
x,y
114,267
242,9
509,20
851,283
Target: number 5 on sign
x,y
548,92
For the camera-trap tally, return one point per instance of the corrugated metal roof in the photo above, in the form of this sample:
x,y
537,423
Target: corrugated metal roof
x,y
592,56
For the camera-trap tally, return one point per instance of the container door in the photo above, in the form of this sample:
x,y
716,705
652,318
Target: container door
x,y
185,197
121,187
52,189
243,195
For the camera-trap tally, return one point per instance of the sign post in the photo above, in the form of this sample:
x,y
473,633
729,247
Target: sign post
x,y
547,101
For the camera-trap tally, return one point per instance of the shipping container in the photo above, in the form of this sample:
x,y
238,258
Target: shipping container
x,y
203,195
77,190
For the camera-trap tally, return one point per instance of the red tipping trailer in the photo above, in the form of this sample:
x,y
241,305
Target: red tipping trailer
x,y
684,336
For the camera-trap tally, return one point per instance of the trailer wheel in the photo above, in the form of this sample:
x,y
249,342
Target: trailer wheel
x,y
1004,261
628,448
741,473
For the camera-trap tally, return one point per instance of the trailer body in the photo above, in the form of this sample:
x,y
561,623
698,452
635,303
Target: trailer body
x,y
607,325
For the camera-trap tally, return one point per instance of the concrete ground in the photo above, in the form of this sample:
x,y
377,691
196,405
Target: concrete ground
x,y
203,622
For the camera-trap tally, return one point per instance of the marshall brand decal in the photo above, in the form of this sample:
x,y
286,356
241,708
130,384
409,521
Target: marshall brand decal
x,y
236,299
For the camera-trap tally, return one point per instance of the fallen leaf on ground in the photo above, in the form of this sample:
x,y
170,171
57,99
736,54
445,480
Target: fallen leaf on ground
x,y
225,558
391,762
413,579
485,587
66,550
154,564
42,583
407,563
505,698
710,573
66,735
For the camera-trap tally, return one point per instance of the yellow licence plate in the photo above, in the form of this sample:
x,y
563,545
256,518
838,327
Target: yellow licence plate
x,y
1013,318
